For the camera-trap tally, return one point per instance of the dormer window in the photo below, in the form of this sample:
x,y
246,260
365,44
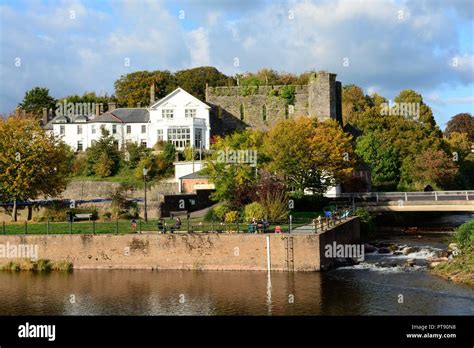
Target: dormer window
x,y
191,113
167,113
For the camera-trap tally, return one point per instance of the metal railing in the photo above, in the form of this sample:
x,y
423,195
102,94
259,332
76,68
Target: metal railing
x,y
292,225
408,196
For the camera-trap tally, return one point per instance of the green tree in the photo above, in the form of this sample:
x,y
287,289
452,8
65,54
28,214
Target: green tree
x,y
235,179
382,158
89,97
36,99
104,166
103,156
32,163
134,88
426,115
150,163
134,152
194,80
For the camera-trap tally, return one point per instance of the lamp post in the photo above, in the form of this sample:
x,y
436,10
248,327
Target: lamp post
x,y
200,150
145,172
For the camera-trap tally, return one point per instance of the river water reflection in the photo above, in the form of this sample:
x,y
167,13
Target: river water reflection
x,y
134,292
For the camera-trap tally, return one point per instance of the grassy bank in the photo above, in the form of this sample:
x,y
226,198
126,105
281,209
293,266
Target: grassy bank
x,y
41,265
460,268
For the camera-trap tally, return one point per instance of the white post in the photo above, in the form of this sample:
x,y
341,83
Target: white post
x,y
406,197
436,196
268,254
467,196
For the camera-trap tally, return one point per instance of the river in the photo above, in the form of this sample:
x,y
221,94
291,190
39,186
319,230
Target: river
x,y
372,287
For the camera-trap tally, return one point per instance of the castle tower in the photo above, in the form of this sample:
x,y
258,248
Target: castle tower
x,y
324,96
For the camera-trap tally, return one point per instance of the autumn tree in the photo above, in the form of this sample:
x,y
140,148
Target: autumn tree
x,y
36,99
32,162
309,154
461,123
433,167
230,167
354,103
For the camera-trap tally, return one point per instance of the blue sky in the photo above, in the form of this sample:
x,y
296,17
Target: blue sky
x,y
73,46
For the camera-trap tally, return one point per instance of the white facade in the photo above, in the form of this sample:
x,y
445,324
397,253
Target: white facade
x,y
179,118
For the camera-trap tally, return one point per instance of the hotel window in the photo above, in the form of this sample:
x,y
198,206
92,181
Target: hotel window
x,y
143,128
159,134
114,129
189,113
116,144
129,129
143,142
198,138
79,129
180,137
62,130
167,113
93,129
80,146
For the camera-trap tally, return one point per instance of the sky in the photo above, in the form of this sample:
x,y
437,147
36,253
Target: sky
x,y
74,46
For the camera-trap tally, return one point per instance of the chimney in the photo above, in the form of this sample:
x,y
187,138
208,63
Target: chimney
x,y
97,110
139,105
111,106
45,116
152,94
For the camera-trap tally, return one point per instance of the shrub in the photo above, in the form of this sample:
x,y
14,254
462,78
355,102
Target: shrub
x,y
367,224
288,94
104,166
232,216
79,164
254,211
276,206
220,210
465,234
43,265
304,202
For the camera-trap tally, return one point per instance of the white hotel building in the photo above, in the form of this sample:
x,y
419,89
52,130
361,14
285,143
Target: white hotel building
x,y
179,118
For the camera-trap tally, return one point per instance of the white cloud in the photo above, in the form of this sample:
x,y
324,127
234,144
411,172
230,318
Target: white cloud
x,y
198,44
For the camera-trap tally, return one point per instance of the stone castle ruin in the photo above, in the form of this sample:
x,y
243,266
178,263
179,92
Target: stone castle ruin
x,y
261,107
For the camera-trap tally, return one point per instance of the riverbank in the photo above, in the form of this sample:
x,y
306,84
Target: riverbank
x,y
459,269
